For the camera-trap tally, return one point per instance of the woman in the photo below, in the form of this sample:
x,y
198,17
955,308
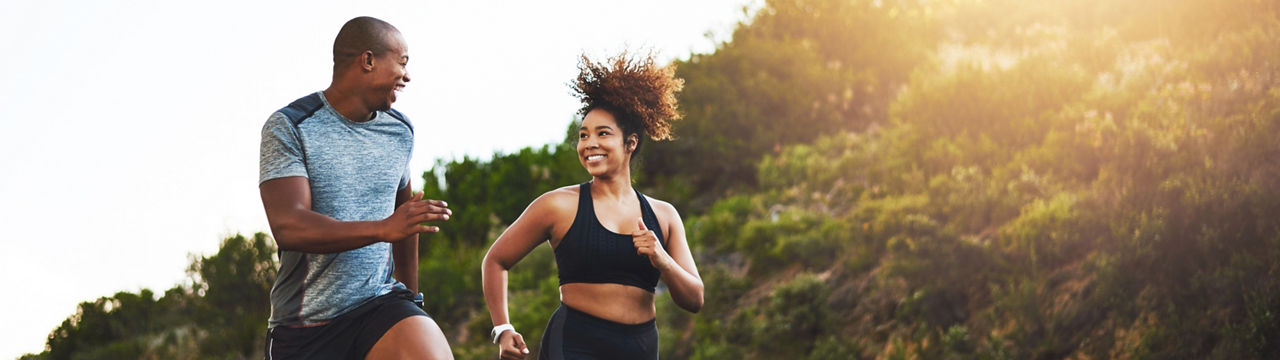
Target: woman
x,y
611,242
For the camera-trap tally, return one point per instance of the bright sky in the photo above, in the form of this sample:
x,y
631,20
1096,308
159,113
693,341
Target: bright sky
x,y
129,129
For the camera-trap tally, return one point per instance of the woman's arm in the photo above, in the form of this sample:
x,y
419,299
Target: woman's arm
x,y
675,262
527,232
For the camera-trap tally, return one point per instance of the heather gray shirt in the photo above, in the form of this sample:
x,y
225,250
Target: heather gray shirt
x,y
354,170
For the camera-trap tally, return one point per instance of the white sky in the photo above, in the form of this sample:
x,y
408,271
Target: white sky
x,y
129,129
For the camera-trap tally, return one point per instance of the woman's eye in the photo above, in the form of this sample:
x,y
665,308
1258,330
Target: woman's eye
x,y
582,136
603,133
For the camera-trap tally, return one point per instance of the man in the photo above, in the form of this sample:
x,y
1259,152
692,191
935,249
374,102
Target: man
x,y
334,181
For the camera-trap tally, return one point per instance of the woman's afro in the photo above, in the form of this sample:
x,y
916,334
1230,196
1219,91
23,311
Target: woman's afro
x,y
643,91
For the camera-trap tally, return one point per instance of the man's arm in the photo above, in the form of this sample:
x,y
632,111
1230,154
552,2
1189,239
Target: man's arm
x,y
296,227
405,252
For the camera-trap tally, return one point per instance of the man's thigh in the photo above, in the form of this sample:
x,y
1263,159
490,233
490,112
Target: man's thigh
x,y
414,337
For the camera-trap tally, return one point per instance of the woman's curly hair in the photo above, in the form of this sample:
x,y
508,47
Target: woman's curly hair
x,y
640,94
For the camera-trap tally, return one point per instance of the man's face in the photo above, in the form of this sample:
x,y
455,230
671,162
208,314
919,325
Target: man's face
x,y
389,74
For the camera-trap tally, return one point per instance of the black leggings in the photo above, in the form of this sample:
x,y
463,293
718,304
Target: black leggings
x,y
572,335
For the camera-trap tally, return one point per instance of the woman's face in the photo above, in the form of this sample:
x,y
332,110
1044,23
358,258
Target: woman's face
x,y
602,149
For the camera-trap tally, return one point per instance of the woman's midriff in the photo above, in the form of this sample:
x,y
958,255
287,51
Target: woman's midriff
x,y
614,302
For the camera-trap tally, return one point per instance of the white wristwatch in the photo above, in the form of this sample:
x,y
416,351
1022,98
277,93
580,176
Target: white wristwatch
x,y
497,331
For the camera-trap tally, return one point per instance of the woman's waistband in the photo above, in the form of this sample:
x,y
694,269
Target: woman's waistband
x,y
592,320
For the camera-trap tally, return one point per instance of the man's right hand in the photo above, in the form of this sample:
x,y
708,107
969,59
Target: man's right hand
x,y
511,346
408,218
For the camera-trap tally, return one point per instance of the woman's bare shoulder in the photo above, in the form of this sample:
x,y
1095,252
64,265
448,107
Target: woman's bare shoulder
x,y
662,208
560,199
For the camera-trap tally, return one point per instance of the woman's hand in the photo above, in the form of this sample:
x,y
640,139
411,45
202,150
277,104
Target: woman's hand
x,y
511,346
647,244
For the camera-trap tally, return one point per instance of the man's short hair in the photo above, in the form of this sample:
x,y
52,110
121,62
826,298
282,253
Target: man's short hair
x,y
359,35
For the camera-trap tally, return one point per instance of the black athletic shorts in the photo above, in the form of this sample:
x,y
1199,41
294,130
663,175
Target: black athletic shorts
x,y
348,336
573,335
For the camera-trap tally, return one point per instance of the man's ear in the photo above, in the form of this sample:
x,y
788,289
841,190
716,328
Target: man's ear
x,y
366,60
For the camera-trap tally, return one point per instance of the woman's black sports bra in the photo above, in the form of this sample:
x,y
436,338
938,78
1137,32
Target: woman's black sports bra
x,y
590,253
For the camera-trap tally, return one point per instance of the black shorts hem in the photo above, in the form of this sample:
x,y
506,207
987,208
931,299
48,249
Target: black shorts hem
x,y
348,336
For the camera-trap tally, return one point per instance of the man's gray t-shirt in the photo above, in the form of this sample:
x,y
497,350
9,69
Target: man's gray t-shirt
x,y
355,170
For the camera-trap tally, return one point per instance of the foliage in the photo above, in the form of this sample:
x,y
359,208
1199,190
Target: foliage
x,y
800,69
1055,185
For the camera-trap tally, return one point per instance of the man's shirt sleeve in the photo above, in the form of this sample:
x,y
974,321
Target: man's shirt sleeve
x,y
404,179
281,151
